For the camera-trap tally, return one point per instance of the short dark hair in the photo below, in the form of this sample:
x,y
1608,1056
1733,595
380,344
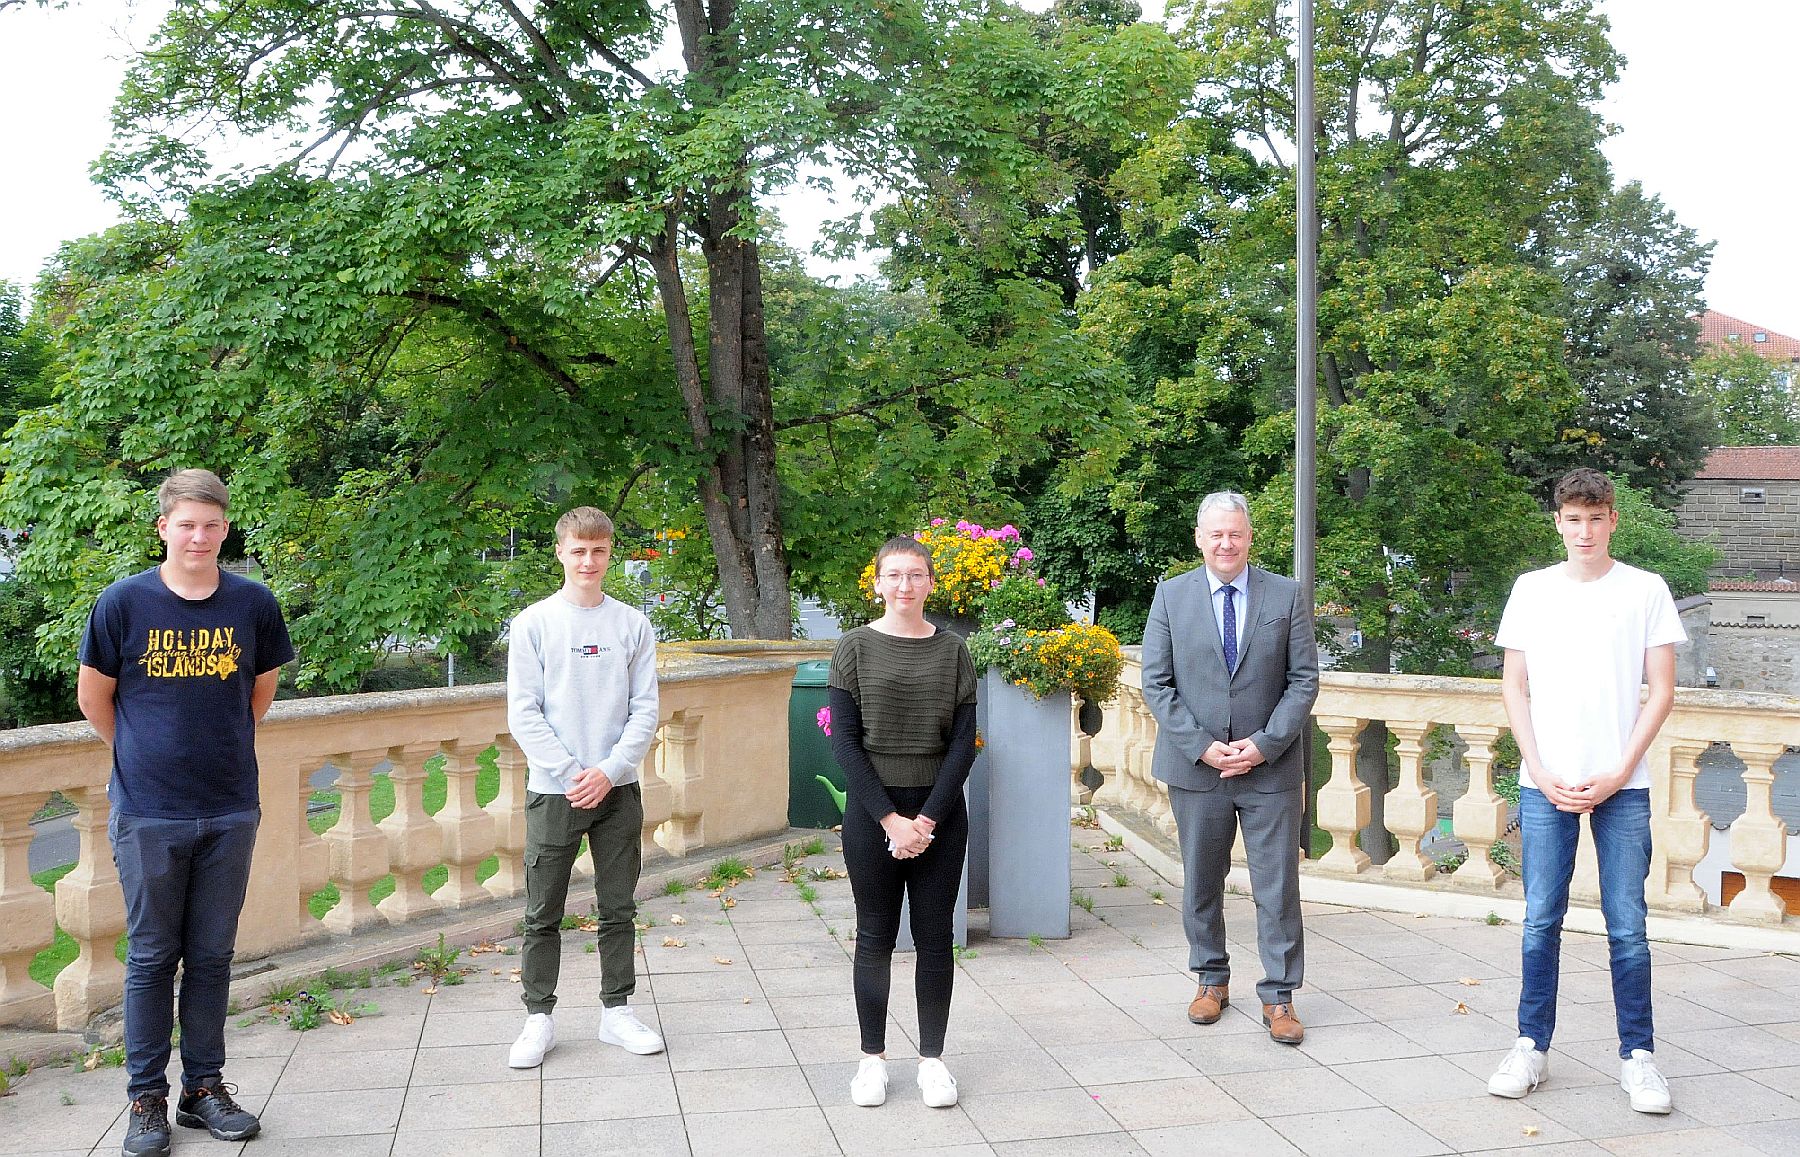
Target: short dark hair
x,y
1584,487
192,486
905,544
588,523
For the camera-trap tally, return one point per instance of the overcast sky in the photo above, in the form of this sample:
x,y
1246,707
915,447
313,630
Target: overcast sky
x,y
1702,108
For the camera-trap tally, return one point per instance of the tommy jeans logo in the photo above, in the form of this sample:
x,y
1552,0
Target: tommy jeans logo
x,y
589,649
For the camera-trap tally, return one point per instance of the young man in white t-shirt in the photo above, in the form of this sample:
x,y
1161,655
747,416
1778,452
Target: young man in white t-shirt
x,y
1581,638
581,701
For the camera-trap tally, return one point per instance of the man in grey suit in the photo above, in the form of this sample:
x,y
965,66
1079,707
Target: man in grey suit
x,y
1231,670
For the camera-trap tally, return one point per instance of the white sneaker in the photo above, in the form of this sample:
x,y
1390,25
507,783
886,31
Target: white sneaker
x,y
535,1039
937,1084
620,1026
1639,1076
868,1087
1522,1070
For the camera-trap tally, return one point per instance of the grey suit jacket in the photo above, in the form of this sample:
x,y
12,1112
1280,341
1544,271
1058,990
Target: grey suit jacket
x,y
1196,701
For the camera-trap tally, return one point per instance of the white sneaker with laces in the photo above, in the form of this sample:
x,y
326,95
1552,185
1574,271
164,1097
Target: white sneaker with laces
x,y
869,1087
1639,1076
535,1039
621,1026
1521,1071
936,1083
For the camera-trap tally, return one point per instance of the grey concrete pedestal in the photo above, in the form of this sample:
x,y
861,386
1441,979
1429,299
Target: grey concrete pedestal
x,y
1028,809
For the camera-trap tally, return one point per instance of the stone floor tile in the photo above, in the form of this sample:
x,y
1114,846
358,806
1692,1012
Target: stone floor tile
x,y
1035,1114
638,1137
1214,1053
1444,967
470,1106
696,955
753,911
1739,1048
1406,1002
1498,997
1352,972
1786,1080
738,1090
1781,973
1566,1072
818,1046
1603,1056
1116,963
334,1114
510,1141
763,956
1534,1148
724,982
1469,1032
1733,1099
618,1097
1168,1103
36,1120
1356,1132
729,1050
1116,1062
816,1012
1246,1138
903,1125
820,980
381,1031
1483,1121
1687,1143
488,992
583,1055
1775,1138
1409,1081
807,930
464,1029
1599,1112
798,1132
1344,1044
708,1016
268,1145
378,1069
1050,1030
1279,1093
991,968
1089,1145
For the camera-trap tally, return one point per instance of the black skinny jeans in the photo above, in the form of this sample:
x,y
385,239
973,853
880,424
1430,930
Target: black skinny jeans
x,y
931,882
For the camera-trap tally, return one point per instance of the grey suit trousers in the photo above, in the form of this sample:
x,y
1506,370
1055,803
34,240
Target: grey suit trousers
x,y
1207,822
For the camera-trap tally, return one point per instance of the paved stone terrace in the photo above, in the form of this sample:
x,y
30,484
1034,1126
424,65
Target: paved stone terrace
x,y
1074,1047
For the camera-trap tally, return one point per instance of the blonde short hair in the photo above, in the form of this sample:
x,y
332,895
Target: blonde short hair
x,y
192,486
584,522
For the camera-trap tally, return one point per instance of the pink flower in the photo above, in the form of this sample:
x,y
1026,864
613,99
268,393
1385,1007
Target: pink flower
x,y
824,718
1023,554
1008,531
937,522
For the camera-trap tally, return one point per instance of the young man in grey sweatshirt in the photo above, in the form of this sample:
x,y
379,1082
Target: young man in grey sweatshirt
x,y
581,703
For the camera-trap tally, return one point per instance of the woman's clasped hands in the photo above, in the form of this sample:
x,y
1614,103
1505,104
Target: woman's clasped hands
x,y
907,837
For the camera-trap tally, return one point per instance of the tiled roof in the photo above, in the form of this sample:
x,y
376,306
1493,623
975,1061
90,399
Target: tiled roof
x,y
1773,586
1753,463
1716,329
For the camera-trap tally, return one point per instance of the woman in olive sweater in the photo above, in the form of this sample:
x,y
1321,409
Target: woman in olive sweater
x,y
903,728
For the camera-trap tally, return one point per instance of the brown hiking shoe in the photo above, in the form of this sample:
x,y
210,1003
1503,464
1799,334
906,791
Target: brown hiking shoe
x,y
1208,1003
1284,1027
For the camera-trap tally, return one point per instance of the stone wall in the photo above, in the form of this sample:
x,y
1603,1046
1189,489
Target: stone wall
x,y
1752,537
1756,658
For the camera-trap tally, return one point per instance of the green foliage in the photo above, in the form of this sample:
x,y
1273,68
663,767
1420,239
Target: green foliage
x,y
725,873
36,691
1752,398
24,359
439,963
1028,602
1646,538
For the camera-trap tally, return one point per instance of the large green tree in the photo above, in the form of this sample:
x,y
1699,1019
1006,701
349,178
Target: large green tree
x,y
1752,398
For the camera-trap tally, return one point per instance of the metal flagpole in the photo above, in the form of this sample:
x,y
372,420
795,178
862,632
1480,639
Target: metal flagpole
x,y
1306,353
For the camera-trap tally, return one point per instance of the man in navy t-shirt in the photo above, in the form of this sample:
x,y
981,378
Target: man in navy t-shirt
x,y
177,665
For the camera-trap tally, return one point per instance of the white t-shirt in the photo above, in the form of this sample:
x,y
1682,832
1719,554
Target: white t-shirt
x,y
1584,645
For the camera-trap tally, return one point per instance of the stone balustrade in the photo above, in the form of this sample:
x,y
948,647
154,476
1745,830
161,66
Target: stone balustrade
x,y
716,775
1421,713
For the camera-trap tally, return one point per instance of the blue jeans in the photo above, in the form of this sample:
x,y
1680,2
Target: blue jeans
x,y
184,883
1621,828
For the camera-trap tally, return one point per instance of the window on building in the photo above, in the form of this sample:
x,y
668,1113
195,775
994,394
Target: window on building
x,y
1759,337
1756,620
1752,494
1734,337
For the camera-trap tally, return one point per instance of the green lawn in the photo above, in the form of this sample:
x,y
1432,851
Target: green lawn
x,y
62,951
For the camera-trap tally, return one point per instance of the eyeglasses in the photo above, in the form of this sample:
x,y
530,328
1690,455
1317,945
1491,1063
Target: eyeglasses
x,y
907,578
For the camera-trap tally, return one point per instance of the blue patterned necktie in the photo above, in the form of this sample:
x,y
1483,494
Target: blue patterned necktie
x,y
1230,630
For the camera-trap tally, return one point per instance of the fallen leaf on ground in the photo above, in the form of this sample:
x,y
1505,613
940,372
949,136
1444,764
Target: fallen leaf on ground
x,y
1470,981
678,918
1530,1130
1461,1009
721,960
480,946
499,972
516,971
339,1016
1158,900
746,1000
1419,915
728,901
429,991
671,942
92,1062
516,979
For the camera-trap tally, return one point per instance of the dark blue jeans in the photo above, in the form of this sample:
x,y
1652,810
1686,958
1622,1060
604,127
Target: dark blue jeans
x,y
1621,828
184,884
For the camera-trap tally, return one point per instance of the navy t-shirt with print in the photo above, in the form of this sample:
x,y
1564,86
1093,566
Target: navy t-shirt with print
x,y
186,743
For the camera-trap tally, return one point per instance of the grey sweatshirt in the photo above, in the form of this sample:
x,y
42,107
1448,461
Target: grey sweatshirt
x,y
581,691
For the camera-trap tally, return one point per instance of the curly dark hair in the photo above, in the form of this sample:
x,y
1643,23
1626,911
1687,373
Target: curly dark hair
x,y
1584,487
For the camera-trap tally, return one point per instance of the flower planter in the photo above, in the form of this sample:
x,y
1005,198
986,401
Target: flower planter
x,y
1028,810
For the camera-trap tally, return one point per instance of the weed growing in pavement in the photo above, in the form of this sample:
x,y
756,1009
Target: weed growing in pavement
x,y
1494,920
1114,843
439,963
725,873
1121,880
807,893
1081,900
1036,940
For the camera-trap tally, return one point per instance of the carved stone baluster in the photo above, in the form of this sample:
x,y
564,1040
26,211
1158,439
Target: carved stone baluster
x,y
359,851
312,858
682,769
1681,830
415,841
468,832
27,923
91,909
1480,815
1411,807
656,795
1758,838
508,809
1343,804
